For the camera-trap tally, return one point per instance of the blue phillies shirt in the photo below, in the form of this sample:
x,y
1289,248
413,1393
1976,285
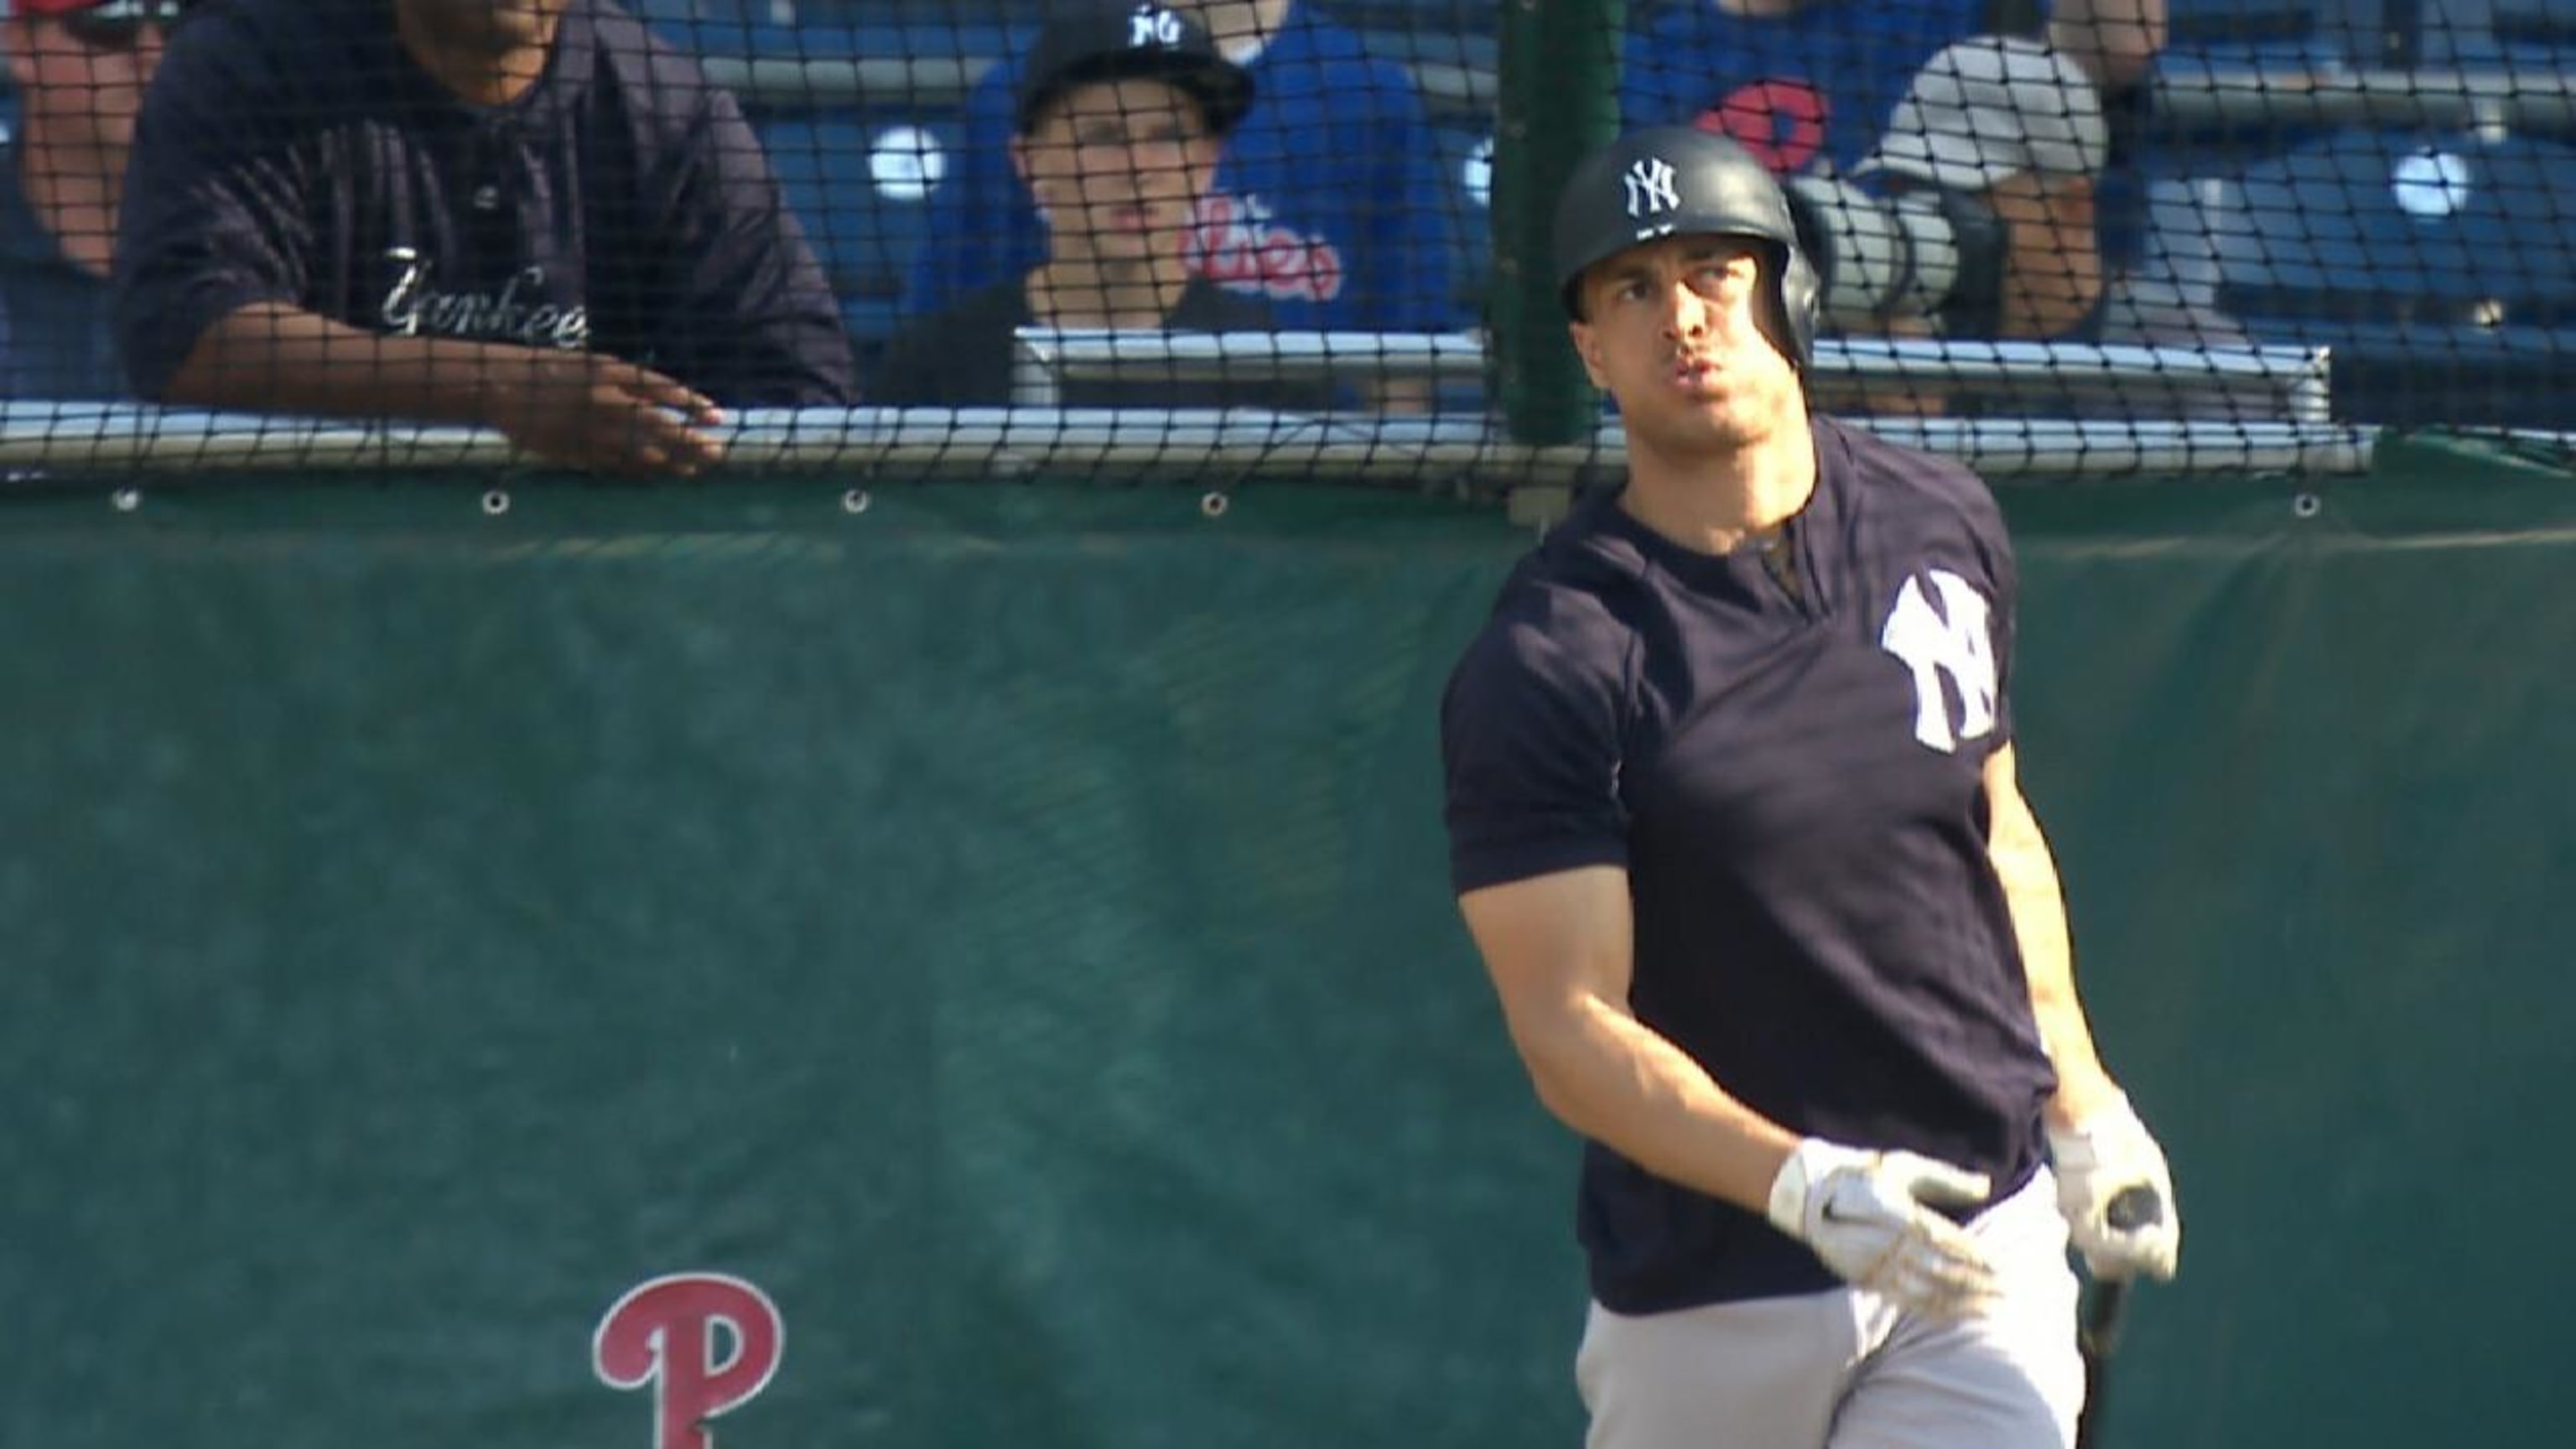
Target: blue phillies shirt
x,y
294,152
56,341
1328,205
1813,85
1793,785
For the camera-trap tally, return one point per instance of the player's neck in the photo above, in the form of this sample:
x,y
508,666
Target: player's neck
x,y
478,75
1714,503
1088,292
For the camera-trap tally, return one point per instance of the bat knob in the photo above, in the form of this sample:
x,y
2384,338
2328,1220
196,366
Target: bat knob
x,y
2133,1208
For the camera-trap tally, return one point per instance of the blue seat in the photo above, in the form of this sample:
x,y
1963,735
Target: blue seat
x,y
861,183
2438,270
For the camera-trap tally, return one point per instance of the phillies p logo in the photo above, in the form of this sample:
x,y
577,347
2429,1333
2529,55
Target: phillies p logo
x,y
707,1343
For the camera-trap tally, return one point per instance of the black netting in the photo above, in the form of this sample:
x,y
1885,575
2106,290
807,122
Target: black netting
x,y
2093,234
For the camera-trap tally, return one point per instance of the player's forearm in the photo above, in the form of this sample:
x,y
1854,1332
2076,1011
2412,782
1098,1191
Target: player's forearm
x,y
2037,904
273,358
1619,1082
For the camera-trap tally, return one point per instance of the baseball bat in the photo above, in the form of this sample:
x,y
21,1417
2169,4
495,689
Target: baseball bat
x,y
2131,1208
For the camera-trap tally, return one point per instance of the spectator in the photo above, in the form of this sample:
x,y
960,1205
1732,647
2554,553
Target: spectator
x,y
79,68
1327,205
2001,140
522,214
1120,117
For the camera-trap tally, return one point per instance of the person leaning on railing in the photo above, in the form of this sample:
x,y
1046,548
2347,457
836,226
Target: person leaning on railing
x,y
79,68
527,215
1121,118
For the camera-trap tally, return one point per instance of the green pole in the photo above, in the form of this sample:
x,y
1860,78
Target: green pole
x,y
1557,99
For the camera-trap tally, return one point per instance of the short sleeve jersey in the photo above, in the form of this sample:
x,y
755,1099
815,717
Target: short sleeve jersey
x,y
1793,785
1811,87
1327,206
295,153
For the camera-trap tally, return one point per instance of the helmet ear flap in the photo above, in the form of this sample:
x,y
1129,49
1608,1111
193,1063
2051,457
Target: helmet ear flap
x,y
1801,299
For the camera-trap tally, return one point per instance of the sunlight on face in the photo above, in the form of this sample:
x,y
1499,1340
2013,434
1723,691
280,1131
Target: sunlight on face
x,y
1118,167
1670,331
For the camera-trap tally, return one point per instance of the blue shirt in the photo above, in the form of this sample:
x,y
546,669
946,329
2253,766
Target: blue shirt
x,y
1815,84
294,152
56,335
1328,206
1793,782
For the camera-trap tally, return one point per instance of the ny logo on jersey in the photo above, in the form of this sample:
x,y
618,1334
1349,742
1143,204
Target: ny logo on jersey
x,y
1651,187
1950,639
1153,25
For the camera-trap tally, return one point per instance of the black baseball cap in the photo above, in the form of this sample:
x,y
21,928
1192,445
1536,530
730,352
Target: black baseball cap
x,y
1108,40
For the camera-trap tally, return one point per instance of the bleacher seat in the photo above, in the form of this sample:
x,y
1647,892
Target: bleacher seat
x,y
861,184
2436,269
1466,160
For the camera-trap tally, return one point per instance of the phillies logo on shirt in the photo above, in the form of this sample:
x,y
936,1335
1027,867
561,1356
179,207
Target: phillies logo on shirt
x,y
1779,119
1948,640
706,1342
1234,243
414,308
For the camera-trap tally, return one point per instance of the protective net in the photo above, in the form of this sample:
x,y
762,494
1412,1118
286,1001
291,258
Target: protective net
x,y
1303,236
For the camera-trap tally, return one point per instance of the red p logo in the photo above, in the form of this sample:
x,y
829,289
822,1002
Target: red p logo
x,y
706,1342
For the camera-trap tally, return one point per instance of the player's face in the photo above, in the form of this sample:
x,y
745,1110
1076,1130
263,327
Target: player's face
x,y
1669,331
86,71
1118,168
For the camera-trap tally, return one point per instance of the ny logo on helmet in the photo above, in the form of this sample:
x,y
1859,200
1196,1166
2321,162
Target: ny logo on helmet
x,y
1153,25
1651,187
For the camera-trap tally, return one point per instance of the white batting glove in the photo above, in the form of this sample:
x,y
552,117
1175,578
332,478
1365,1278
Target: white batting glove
x,y
1864,1214
2097,1160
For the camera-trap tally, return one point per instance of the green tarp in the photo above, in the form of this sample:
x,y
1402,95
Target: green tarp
x,y
1006,927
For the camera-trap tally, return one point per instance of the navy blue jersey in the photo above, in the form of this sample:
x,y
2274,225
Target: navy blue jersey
x,y
292,151
56,341
1792,782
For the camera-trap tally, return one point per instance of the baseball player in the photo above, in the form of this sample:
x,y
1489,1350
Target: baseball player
x,y
1734,823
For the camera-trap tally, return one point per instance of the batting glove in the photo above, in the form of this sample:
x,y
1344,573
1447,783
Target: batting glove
x,y
1866,1215
2100,1159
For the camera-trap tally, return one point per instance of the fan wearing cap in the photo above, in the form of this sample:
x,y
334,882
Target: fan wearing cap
x,y
1122,112
528,215
1328,205
1735,822
79,68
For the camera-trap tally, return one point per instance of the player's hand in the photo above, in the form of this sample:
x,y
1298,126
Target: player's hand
x,y
1868,1216
2097,1159
592,412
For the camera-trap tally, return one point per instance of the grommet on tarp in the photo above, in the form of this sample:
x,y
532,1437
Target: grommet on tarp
x,y
2306,505
496,502
1215,502
126,500
855,501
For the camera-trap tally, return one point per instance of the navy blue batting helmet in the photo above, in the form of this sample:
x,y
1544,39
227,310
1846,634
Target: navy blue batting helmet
x,y
1682,181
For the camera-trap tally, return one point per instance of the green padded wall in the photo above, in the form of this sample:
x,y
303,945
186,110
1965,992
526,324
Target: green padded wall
x,y
1006,926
